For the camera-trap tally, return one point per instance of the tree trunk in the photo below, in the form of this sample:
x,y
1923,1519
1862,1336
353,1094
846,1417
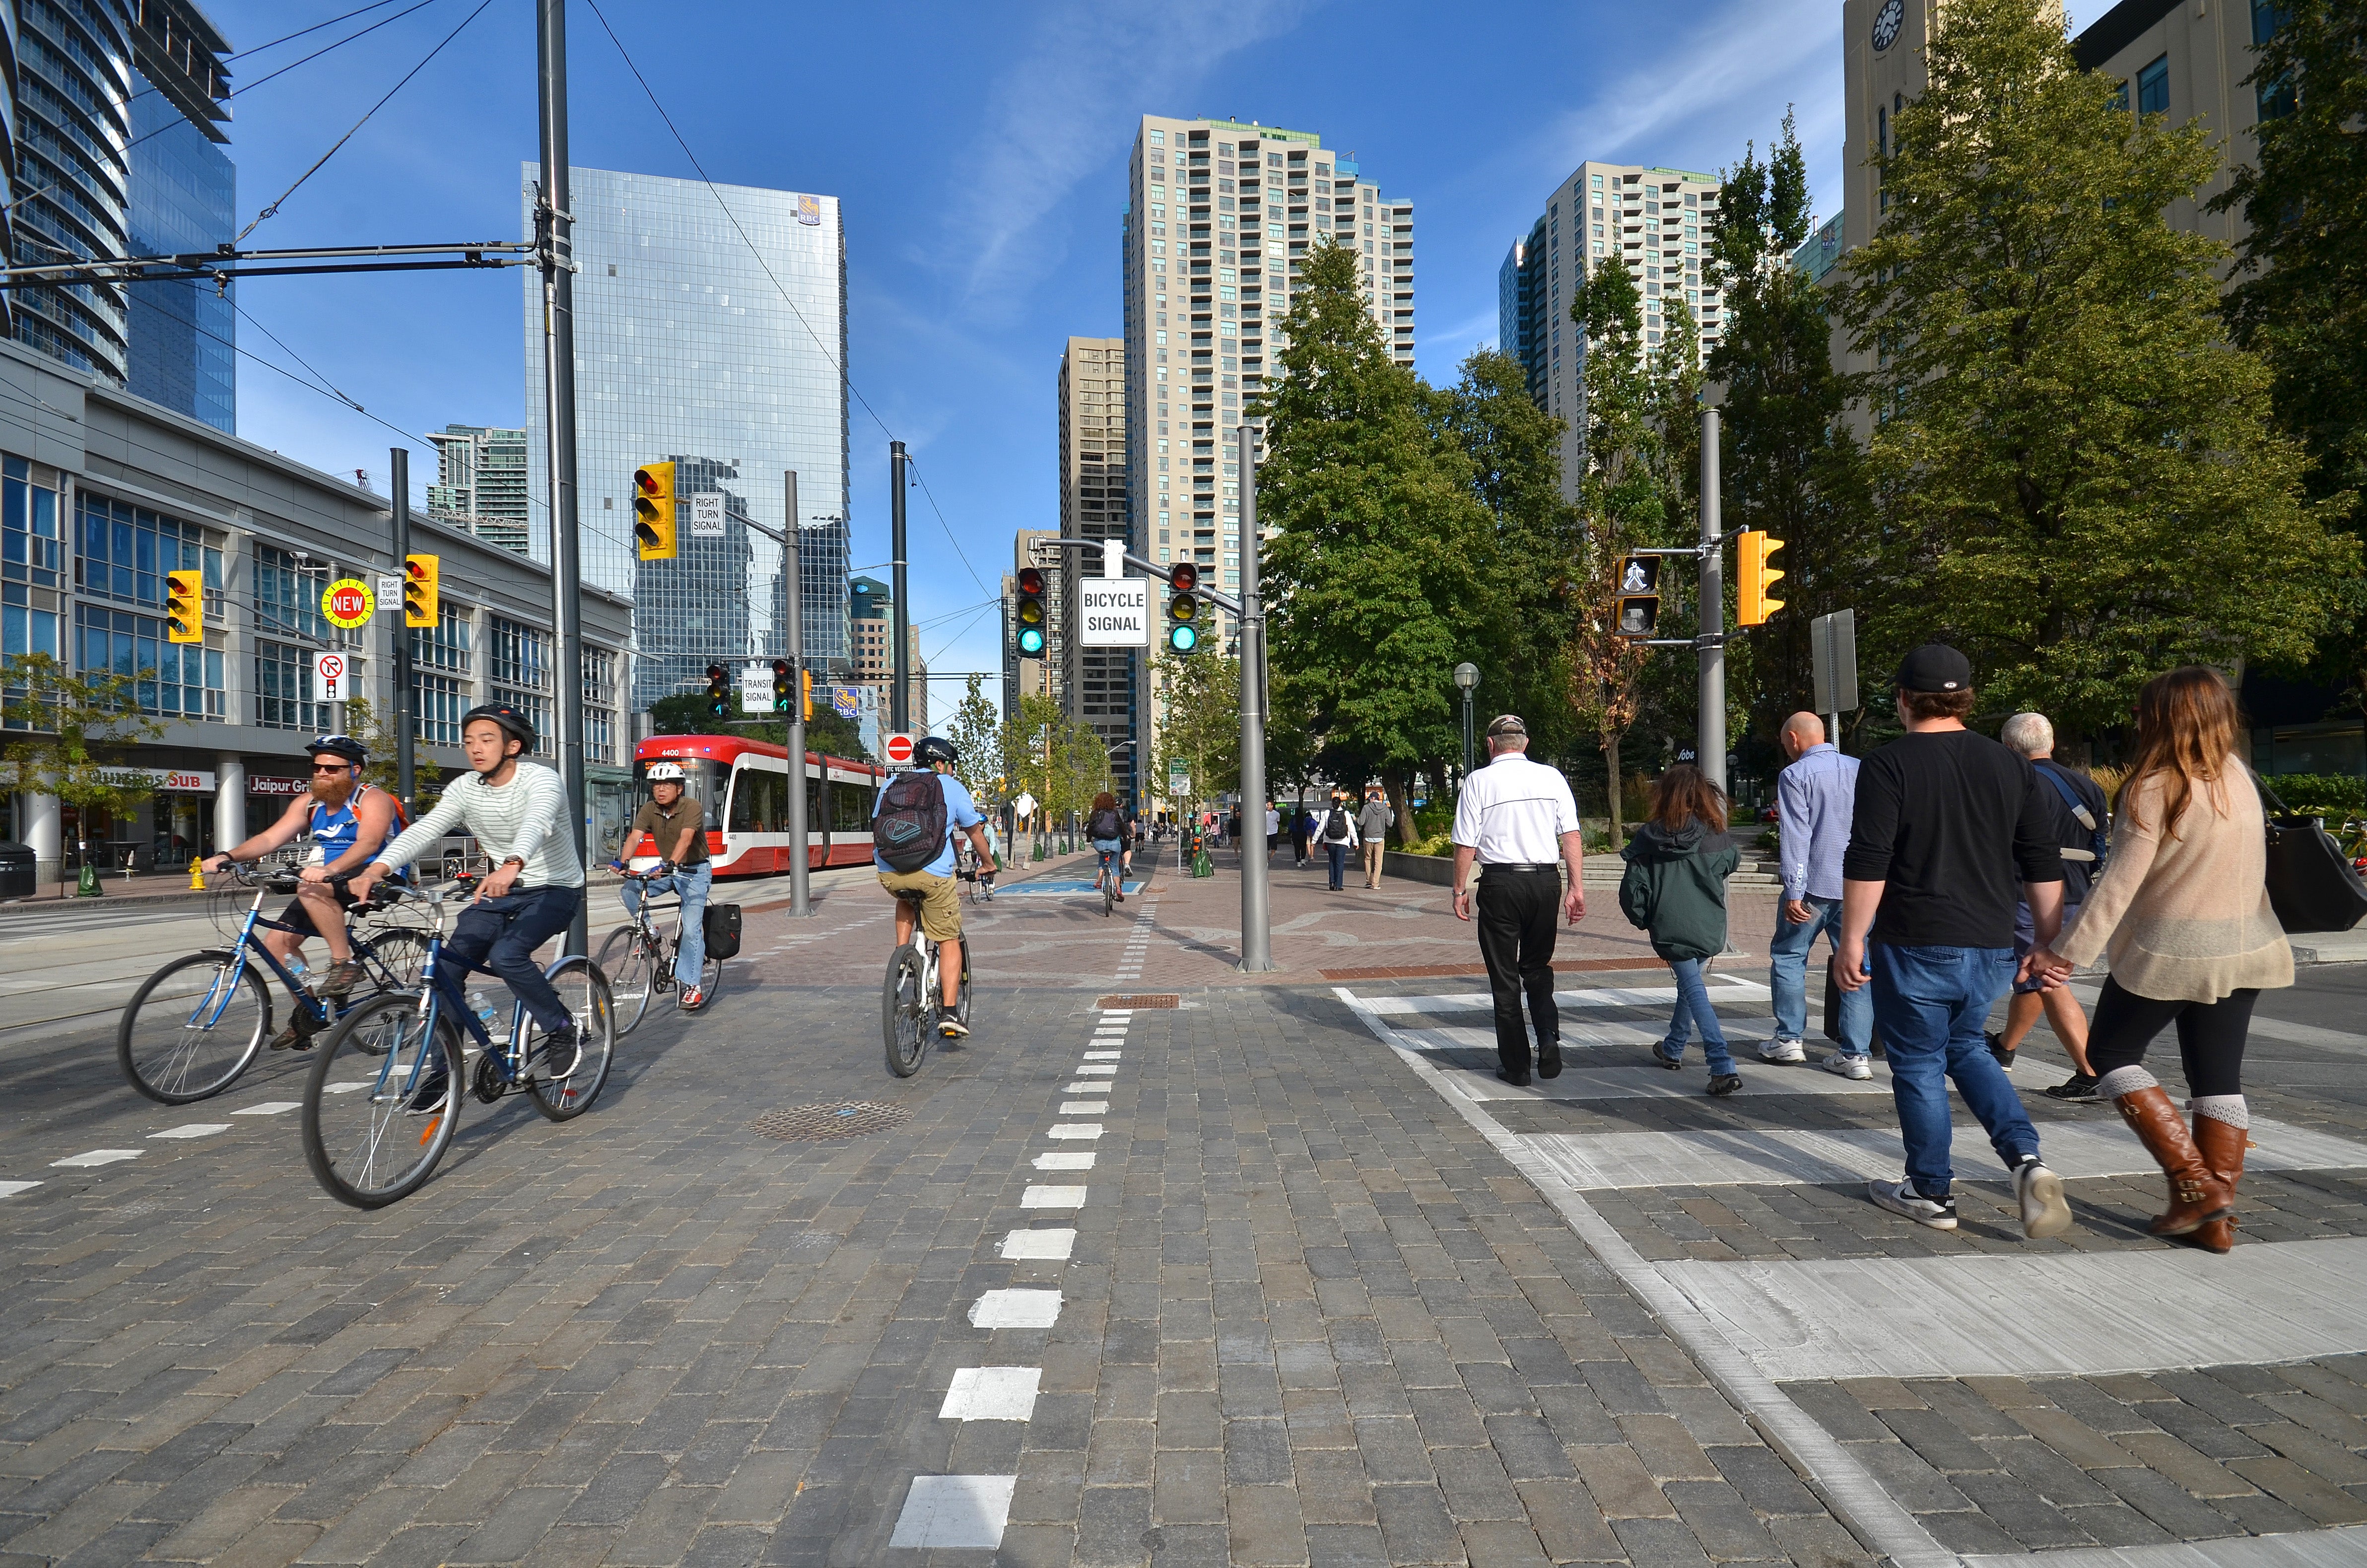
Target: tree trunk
x,y
1394,783
1611,762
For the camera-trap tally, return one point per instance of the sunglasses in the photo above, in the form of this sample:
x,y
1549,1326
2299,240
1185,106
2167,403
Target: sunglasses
x,y
332,767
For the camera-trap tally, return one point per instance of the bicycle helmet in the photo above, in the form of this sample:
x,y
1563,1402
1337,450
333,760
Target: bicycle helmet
x,y
344,747
935,749
510,721
663,773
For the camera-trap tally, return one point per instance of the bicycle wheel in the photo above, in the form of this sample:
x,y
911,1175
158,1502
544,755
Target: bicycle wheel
x,y
624,960
561,1095
193,1028
402,954
366,1144
711,981
1109,893
903,1011
969,966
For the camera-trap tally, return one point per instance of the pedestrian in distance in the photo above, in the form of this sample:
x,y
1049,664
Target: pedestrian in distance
x,y
1338,833
1302,828
1675,887
1273,828
1373,825
2183,912
1813,799
1943,820
2079,828
1518,821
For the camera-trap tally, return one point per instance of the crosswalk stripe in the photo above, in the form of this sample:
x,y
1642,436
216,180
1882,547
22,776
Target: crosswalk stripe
x,y
1733,991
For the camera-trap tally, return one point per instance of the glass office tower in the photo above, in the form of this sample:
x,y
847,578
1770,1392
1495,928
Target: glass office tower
x,y
686,349
184,199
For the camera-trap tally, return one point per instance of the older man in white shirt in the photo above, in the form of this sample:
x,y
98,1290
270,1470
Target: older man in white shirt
x,y
1519,821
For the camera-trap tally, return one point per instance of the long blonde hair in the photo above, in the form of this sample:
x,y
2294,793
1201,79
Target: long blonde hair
x,y
2187,724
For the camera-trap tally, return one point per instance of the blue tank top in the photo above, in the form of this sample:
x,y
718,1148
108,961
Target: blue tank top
x,y
334,829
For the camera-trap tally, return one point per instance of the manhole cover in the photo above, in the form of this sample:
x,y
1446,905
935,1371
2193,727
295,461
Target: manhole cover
x,y
847,1119
1122,1003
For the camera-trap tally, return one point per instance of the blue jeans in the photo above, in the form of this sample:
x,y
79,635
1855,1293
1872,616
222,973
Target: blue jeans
x,y
500,935
691,882
1787,977
1338,854
1933,1005
1692,1007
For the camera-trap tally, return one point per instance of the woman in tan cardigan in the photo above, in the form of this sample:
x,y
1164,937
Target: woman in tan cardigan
x,y
2183,912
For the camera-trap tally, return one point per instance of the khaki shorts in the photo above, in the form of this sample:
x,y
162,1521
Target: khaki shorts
x,y
940,906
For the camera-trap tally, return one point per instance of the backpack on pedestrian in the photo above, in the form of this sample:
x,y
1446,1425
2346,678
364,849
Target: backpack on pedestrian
x,y
911,830
1335,826
1104,824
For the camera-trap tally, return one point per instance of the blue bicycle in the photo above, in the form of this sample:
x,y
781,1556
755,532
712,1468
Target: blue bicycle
x,y
384,1097
200,1021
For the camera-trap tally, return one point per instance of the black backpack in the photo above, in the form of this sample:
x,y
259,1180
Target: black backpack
x,y
909,830
1103,823
1335,826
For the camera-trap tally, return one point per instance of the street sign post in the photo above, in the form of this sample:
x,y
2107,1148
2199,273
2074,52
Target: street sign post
x,y
329,676
898,747
755,689
1832,654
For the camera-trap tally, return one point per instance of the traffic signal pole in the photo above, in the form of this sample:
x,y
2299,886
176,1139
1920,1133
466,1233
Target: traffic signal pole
x,y
1257,929
1709,743
792,566
558,263
899,613
399,480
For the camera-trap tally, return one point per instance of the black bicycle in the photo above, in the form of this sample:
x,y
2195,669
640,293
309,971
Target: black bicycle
x,y
638,961
199,1022
909,1000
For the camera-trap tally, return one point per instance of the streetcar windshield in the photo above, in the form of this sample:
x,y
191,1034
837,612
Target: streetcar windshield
x,y
701,778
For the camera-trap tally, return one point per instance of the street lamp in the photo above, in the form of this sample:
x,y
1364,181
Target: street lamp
x,y
1467,675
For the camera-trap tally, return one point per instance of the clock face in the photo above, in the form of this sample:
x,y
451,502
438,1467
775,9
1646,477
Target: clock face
x,y
1885,23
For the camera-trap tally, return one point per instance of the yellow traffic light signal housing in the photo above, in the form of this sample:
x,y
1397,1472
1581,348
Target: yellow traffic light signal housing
x,y
420,592
1029,613
653,504
1185,613
185,606
1637,610
1753,576
718,693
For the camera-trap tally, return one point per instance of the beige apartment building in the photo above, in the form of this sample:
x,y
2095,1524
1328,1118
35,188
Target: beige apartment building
x,y
1101,686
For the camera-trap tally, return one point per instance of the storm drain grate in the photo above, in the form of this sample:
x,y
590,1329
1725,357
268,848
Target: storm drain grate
x,y
1124,1002
816,1123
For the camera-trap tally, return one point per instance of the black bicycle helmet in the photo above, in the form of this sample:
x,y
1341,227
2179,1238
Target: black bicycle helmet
x,y
507,716
342,747
935,749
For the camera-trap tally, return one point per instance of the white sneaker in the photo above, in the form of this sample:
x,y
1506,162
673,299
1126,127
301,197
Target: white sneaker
x,y
1847,1066
2043,1212
1900,1198
1782,1051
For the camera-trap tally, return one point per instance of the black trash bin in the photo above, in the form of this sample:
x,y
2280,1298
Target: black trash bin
x,y
16,870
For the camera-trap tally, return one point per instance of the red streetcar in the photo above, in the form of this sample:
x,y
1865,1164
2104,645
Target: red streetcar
x,y
744,785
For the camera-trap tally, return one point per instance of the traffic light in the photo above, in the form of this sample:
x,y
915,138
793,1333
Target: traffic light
x,y
420,592
1637,608
1184,610
185,606
781,687
1029,613
719,692
1753,577
654,511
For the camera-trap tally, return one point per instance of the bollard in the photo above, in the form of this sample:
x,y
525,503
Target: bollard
x,y
197,874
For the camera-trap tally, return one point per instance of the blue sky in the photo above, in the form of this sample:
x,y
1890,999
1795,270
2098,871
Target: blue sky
x,y
979,153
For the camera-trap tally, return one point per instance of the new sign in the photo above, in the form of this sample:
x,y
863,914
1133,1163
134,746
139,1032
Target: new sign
x,y
347,603
1114,612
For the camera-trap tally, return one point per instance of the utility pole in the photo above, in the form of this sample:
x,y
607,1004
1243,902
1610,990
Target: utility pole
x,y
399,464
558,262
793,567
1709,743
1257,938
899,613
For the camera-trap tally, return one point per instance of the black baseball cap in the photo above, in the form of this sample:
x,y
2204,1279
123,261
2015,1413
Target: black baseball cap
x,y
1935,666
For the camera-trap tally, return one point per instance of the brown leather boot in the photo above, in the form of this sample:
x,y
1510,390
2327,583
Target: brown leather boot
x,y
2196,1195
2221,1148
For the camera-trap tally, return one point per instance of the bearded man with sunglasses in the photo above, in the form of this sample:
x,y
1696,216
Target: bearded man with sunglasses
x,y
349,823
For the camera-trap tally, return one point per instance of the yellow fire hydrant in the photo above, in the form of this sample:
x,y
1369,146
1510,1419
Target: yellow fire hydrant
x,y
197,874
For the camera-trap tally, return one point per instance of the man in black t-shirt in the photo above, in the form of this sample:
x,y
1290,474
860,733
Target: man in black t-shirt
x,y
1945,819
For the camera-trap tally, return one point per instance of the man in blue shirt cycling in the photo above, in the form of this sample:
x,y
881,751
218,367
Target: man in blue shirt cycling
x,y
940,903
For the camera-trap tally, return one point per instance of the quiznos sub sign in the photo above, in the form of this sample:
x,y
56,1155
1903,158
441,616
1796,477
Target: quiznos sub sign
x,y
1114,612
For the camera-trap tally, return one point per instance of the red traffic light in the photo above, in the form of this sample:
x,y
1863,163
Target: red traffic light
x,y
1031,580
1187,577
780,669
647,480
715,672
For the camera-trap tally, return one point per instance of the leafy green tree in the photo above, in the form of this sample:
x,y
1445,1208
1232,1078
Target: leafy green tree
x,y
68,735
976,732
1199,733
2077,476
1788,461
1373,566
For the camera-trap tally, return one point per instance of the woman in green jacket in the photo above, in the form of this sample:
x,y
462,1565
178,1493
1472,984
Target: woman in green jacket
x,y
1675,888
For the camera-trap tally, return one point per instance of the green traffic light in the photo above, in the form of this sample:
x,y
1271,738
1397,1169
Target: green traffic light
x,y
1031,639
1183,638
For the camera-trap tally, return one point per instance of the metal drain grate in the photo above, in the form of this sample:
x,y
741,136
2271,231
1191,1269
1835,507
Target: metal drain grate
x,y
1126,1002
819,1123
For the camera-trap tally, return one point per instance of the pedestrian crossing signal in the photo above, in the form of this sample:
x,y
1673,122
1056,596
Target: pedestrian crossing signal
x,y
1184,610
1638,608
1029,614
421,596
653,506
719,692
185,606
1753,576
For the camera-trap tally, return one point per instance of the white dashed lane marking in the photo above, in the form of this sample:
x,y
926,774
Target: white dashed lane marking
x,y
97,1157
194,1130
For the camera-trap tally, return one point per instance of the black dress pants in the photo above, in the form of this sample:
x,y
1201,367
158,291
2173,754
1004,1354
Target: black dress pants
x,y
2210,1036
1515,912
